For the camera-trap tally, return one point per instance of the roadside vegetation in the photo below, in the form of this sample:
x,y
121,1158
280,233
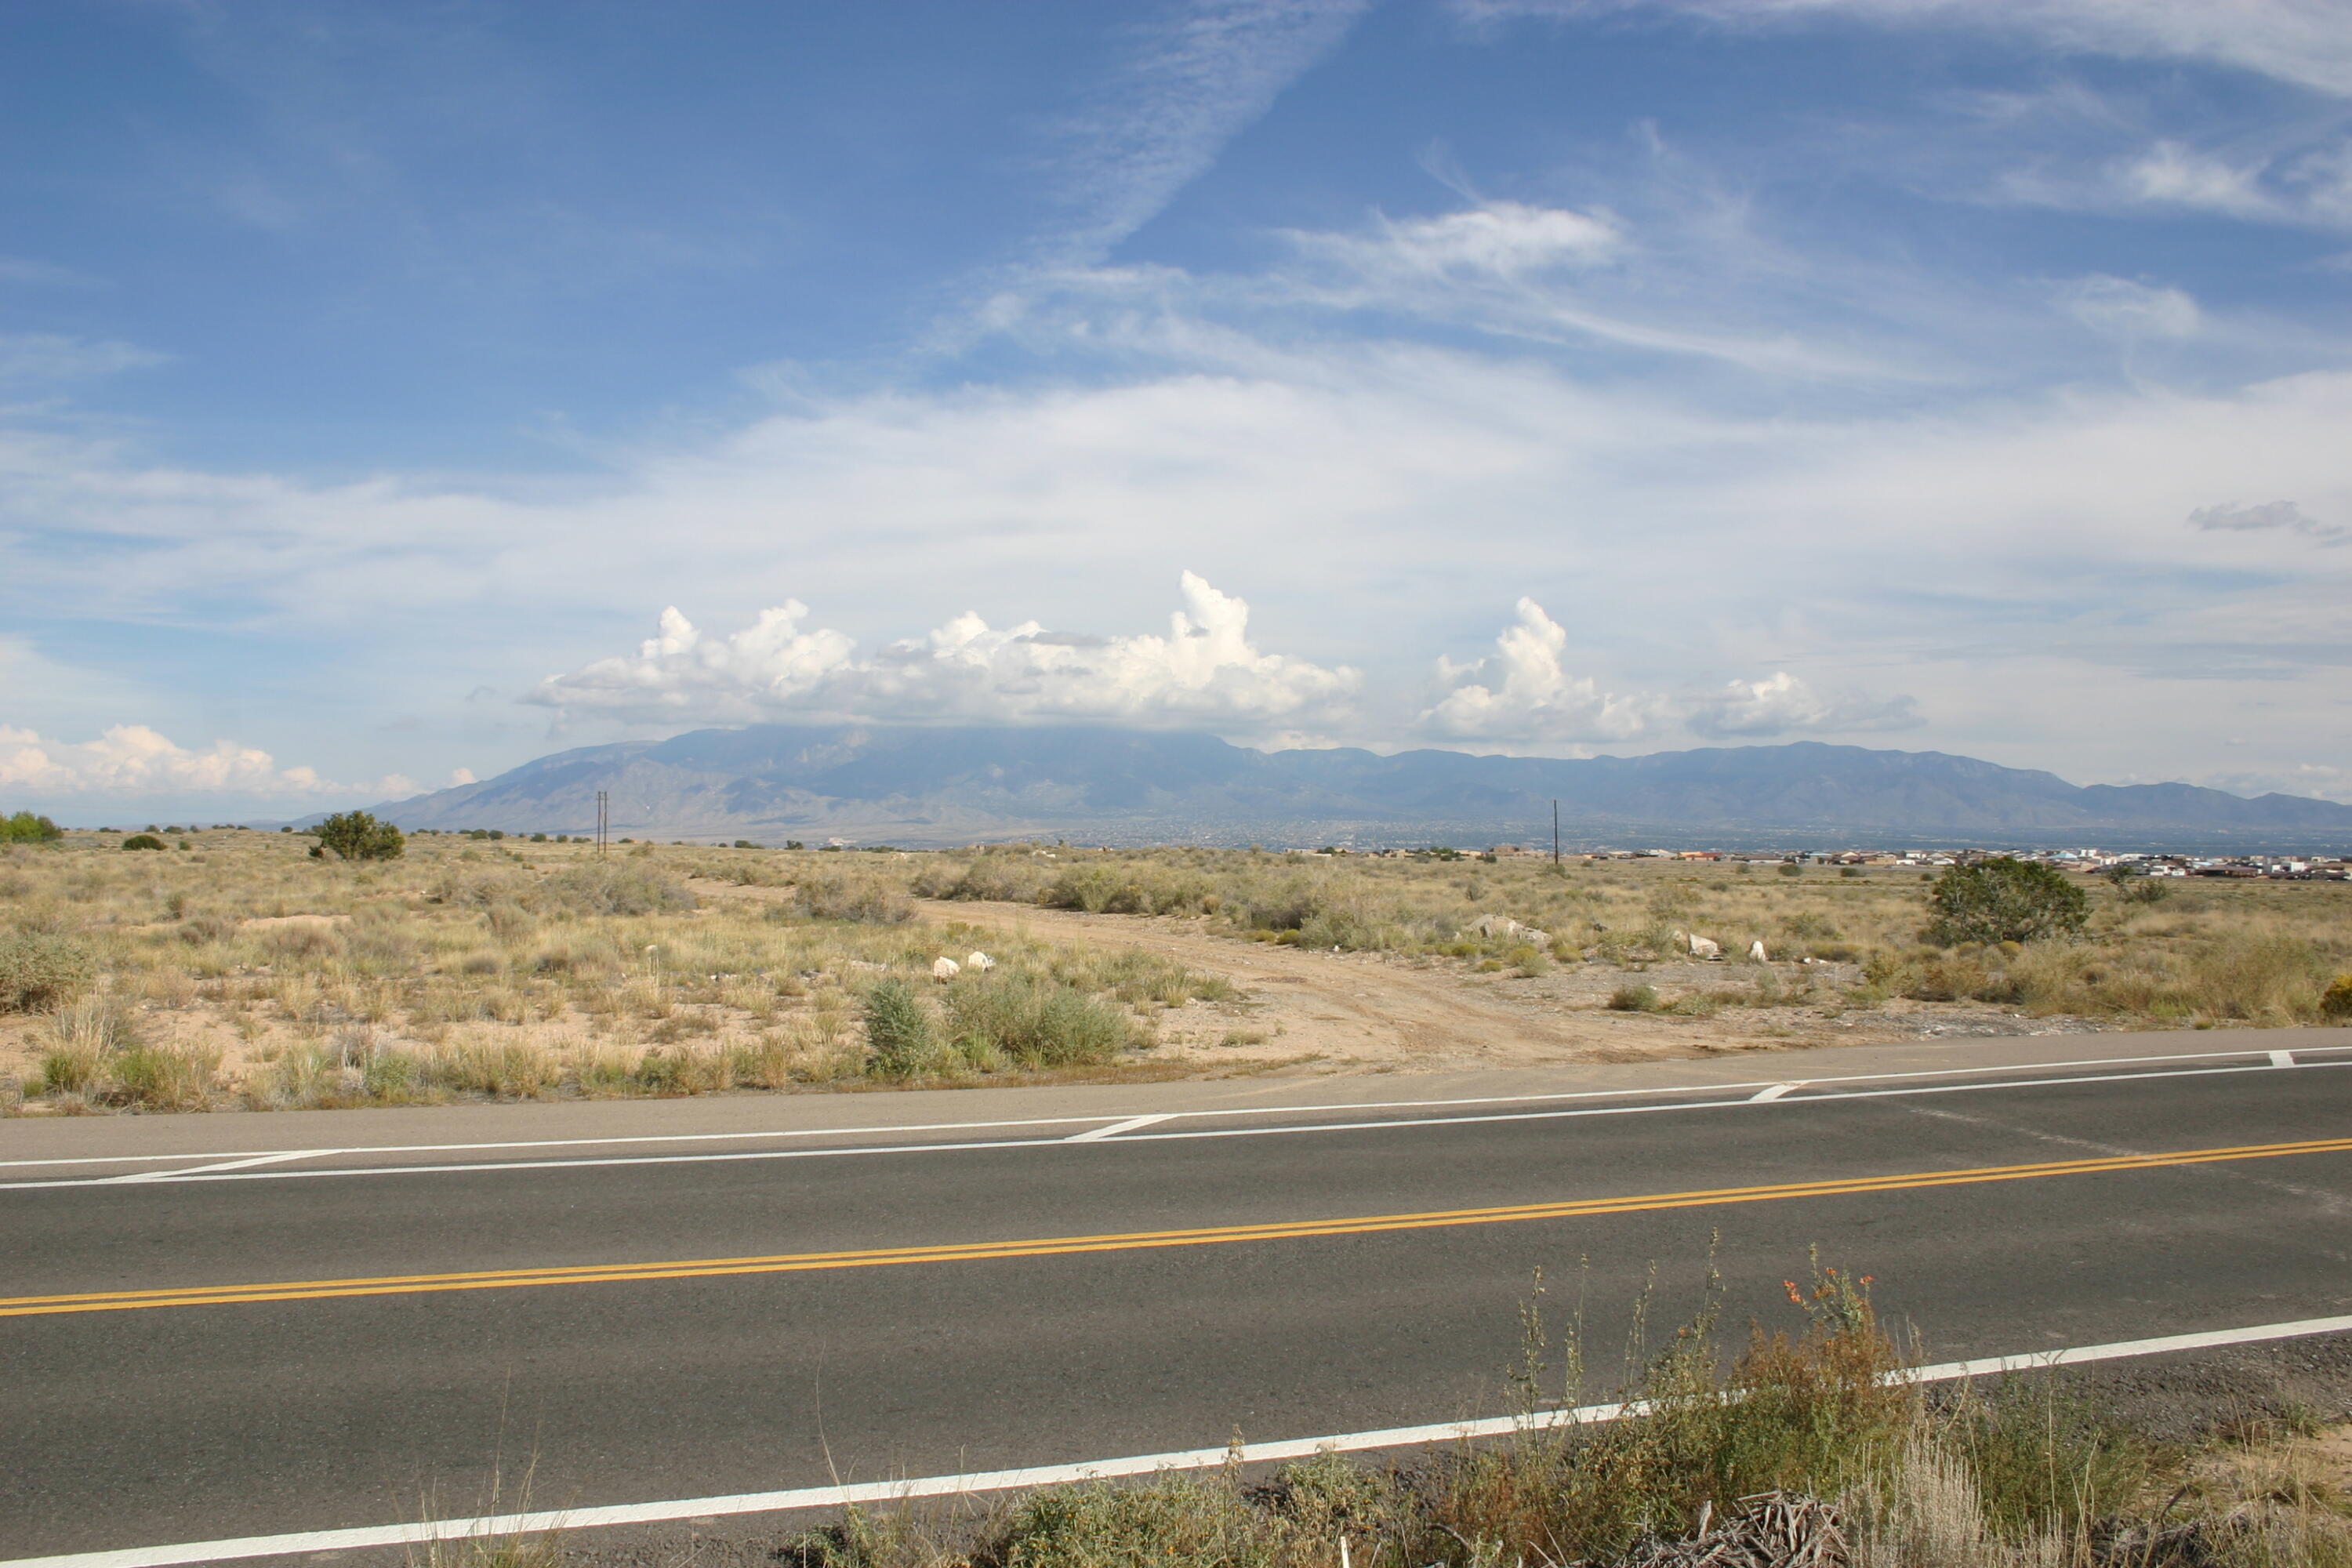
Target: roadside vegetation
x,y
242,970
1762,1449
2197,952
213,967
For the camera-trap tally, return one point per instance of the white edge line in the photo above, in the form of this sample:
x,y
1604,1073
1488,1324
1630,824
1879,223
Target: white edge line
x,y
226,1173
366,1536
1230,1110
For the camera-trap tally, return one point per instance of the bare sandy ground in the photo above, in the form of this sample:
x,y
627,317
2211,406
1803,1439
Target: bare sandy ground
x,y
1379,1013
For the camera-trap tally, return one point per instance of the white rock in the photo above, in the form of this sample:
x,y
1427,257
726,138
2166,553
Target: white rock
x,y
1702,948
945,969
980,962
1756,951
1496,925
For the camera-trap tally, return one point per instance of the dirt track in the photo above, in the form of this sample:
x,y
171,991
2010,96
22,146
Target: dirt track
x,y
1351,1012
1368,1012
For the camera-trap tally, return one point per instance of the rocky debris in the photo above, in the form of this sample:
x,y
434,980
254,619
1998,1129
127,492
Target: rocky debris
x,y
1699,946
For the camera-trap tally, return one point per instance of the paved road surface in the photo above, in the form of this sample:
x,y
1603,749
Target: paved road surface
x,y
267,1341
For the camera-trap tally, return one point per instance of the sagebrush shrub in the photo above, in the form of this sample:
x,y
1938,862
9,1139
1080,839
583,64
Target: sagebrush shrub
x,y
899,1037
41,970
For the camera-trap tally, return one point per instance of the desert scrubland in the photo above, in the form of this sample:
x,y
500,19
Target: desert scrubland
x,y
232,968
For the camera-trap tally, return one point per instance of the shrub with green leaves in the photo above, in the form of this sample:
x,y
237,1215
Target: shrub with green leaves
x,y
41,970
901,1039
1035,1022
2005,900
142,841
358,835
25,828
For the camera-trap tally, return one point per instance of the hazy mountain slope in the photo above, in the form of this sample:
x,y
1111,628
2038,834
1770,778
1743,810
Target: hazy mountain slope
x,y
944,785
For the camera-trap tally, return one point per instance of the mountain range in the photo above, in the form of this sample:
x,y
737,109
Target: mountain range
x,y
932,786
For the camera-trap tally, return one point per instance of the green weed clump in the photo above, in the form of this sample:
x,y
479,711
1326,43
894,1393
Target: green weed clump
x,y
1033,1022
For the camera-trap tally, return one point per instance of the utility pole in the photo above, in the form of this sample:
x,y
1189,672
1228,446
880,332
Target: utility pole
x,y
1555,836
604,818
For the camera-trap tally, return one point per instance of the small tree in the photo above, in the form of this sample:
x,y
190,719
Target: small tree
x,y
2005,900
356,836
25,828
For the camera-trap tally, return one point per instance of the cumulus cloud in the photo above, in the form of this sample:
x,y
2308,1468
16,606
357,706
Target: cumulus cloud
x,y
131,759
1781,704
2231,518
1522,693
1205,671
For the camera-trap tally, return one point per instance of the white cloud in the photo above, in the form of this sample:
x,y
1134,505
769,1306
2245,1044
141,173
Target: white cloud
x,y
1205,673
2171,173
1505,238
1781,704
41,357
131,759
2300,41
2231,518
1192,82
2119,307
1522,693
460,776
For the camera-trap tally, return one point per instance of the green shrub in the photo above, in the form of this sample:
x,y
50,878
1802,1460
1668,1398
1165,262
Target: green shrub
x,y
900,1040
142,841
41,970
25,828
1633,999
357,835
1035,1022
2005,900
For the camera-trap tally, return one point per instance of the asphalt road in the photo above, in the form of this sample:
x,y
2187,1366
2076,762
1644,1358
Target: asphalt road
x,y
138,1415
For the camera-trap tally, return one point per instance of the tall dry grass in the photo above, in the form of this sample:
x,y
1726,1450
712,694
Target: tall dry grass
x,y
241,971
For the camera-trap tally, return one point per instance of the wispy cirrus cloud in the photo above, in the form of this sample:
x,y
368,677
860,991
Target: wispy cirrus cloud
x,y
2300,41
1188,82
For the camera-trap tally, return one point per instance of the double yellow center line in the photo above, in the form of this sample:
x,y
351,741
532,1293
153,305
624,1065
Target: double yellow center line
x,y
1049,1246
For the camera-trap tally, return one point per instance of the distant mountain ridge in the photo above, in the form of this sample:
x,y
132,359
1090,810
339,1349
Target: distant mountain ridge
x,y
951,785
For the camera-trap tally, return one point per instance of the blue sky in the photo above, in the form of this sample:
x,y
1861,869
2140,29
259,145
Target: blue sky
x,y
392,393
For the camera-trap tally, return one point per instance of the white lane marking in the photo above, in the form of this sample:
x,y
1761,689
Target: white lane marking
x,y
246,1163
2283,1058
367,1536
1187,1115
1116,1128
1765,1096
169,1178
